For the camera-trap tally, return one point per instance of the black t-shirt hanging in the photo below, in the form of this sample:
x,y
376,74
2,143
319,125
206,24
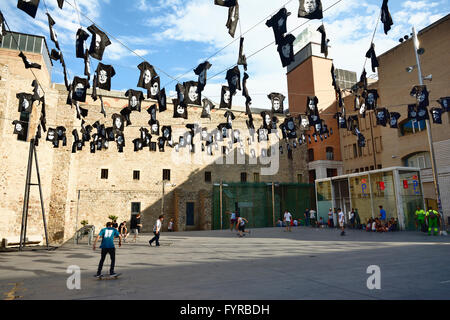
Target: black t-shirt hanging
x,y
277,100
245,94
242,59
436,114
79,89
60,3
422,114
234,80
371,98
61,135
104,75
99,42
233,19
161,144
120,140
352,123
29,6
313,119
286,49
333,78
135,99
162,100
342,122
37,92
179,111
223,128
153,92
166,132
118,122
19,127
273,125
87,64
324,41
266,118
27,63
386,17
310,9
81,37
393,119
207,107
230,117
201,71
445,103
382,116
412,112
152,112
110,136
290,124
373,57
51,135
138,145
225,3
181,92
53,35
147,74
192,96
278,23
154,127
226,98
25,102
422,96
125,112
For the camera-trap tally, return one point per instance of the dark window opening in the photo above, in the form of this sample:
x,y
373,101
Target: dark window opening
x,y
136,175
166,175
243,177
104,175
208,177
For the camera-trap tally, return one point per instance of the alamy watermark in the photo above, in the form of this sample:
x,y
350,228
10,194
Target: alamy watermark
x,y
74,280
374,281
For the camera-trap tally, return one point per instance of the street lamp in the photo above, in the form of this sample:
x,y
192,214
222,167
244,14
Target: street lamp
x,y
419,51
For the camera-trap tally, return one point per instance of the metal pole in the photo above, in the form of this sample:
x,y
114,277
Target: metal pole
x,y
23,230
273,203
221,205
40,194
76,219
430,135
162,202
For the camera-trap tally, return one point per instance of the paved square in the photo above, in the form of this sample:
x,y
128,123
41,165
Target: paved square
x,y
269,264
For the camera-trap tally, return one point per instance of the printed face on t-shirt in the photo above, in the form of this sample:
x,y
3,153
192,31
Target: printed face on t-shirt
x,y
380,115
180,110
154,89
204,134
234,80
193,95
393,121
422,112
312,105
118,123
202,76
291,125
155,127
226,96
421,98
19,129
276,104
310,6
166,133
102,77
286,49
267,119
318,127
147,76
79,90
25,104
305,123
370,99
445,103
51,135
133,101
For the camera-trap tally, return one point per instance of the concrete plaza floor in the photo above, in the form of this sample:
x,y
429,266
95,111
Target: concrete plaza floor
x,y
269,264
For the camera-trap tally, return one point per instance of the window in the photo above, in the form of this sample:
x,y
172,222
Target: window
x,y
299,178
166,175
408,127
369,146
190,214
312,176
208,177
380,167
366,169
331,173
256,177
372,168
345,153
330,153
311,155
355,151
244,177
135,208
25,117
104,174
136,175
420,160
360,152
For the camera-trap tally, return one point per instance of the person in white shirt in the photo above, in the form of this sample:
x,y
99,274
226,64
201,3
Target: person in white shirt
x,y
287,219
241,222
157,231
341,218
312,218
233,220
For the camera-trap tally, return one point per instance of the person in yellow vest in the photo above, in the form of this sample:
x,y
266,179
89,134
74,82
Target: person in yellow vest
x,y
420,218
432,217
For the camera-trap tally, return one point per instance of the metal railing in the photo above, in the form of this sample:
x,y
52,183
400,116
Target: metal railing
x,y
88,231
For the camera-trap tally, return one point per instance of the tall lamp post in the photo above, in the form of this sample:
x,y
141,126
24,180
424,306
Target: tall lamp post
x,y
430,136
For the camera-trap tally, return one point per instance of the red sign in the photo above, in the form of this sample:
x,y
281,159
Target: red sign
x,y
382,186
415,178
364,181
405,184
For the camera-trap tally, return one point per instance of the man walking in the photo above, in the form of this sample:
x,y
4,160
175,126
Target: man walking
x,y
341,217
287,219
108,234
157,231
420,219
306,217
312,218
135,226
432,217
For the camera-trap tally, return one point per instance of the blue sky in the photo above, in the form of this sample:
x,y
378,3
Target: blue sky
x,y
176,35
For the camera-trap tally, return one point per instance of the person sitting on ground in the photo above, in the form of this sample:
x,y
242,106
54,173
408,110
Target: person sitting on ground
x,y
295,223
369,224
374,225
123,230
321,223
279,223
170,227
